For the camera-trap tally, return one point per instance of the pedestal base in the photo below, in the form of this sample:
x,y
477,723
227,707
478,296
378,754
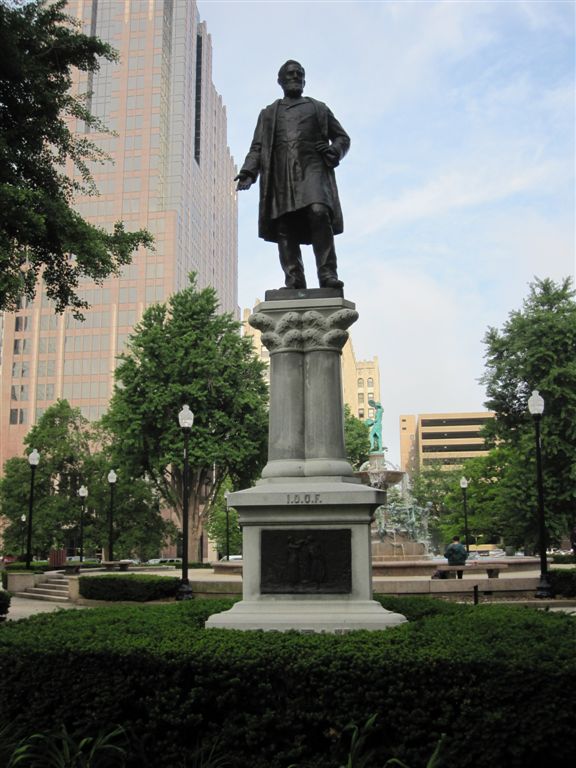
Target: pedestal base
x,y
314,615
307,560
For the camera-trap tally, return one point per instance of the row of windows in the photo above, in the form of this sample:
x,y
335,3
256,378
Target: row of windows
x,y
369,382
85,390
361,413
90,342
361,397
19,392
455,422
47,368
86,365
102,319
450,435
461,448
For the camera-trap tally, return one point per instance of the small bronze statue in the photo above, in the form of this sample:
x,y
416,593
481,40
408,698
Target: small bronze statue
x,y
296,146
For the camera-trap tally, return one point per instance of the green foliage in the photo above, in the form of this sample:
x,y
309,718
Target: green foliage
x,y
216,525
563,582
73,453
137,587
356,439
498,680
186,353
61,749
39,229
4,602
563,559
416,608
536,349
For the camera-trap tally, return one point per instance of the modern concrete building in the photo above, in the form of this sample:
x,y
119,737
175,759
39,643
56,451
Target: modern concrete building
x,y
360,378
445,438
172,173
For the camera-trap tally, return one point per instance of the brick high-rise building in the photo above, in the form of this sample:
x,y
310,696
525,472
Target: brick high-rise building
x,y
172,174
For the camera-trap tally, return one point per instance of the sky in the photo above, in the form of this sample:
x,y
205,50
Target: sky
x,y
458,189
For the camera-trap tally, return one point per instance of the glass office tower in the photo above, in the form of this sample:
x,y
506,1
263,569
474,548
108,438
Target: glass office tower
x,y
172,173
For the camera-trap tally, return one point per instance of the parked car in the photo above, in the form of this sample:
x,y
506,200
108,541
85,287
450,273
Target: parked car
x,y
232,557
165,561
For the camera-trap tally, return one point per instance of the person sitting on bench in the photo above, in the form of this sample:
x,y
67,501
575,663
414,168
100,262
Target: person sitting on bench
x,y
456,554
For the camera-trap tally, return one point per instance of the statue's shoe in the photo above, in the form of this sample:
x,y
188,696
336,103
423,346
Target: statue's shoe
x,y
332,282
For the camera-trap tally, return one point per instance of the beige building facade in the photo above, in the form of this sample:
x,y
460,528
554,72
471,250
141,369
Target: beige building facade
x,y
172,173
445,438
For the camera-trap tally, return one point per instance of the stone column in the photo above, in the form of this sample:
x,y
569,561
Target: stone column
x,y
306,432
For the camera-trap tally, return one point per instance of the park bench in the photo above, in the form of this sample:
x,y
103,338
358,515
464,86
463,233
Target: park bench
x,y
492,569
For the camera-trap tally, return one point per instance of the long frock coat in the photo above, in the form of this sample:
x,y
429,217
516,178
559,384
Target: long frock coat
x,y
277,187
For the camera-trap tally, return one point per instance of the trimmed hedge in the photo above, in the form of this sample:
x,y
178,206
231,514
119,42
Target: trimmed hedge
x,y
4,602
563,582
499,680
137,587
563,559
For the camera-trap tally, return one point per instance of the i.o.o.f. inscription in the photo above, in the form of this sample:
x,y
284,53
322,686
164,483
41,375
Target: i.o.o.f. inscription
x,y
304,498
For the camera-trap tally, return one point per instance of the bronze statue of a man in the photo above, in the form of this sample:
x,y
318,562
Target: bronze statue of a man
x,y
296,146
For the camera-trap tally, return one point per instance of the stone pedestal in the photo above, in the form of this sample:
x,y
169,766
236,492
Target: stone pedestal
x,y
306,524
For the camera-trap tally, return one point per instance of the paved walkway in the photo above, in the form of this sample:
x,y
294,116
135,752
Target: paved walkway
x,y
22,608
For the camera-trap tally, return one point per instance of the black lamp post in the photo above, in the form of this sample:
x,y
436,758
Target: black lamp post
x,y
536,408
33,460
112,477
23,535
83,493
464,486
226,495
186,420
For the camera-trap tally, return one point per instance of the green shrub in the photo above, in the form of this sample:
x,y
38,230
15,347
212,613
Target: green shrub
x,y
137,587
415,608
563,559
563,582
4,602
500,681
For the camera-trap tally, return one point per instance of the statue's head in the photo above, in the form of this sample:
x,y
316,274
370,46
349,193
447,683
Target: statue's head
x,y
291,78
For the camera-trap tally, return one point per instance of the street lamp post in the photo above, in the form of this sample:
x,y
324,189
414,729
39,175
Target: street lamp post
x,y
536,408
226,495
22,535
33,460
83,493
112,477
464,486
186,420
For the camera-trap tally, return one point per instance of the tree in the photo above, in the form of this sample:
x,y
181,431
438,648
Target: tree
x,y
184,352
72,453
216,524
40,233
434,487
62,441
433,484
356,439
536,349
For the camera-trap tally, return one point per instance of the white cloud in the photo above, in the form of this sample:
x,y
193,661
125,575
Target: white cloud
x,y
464,186
458,188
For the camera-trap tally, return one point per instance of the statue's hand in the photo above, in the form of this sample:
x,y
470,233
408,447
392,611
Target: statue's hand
x,y
330,155
244,180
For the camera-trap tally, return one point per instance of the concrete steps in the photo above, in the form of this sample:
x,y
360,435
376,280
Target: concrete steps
x,y
53,589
